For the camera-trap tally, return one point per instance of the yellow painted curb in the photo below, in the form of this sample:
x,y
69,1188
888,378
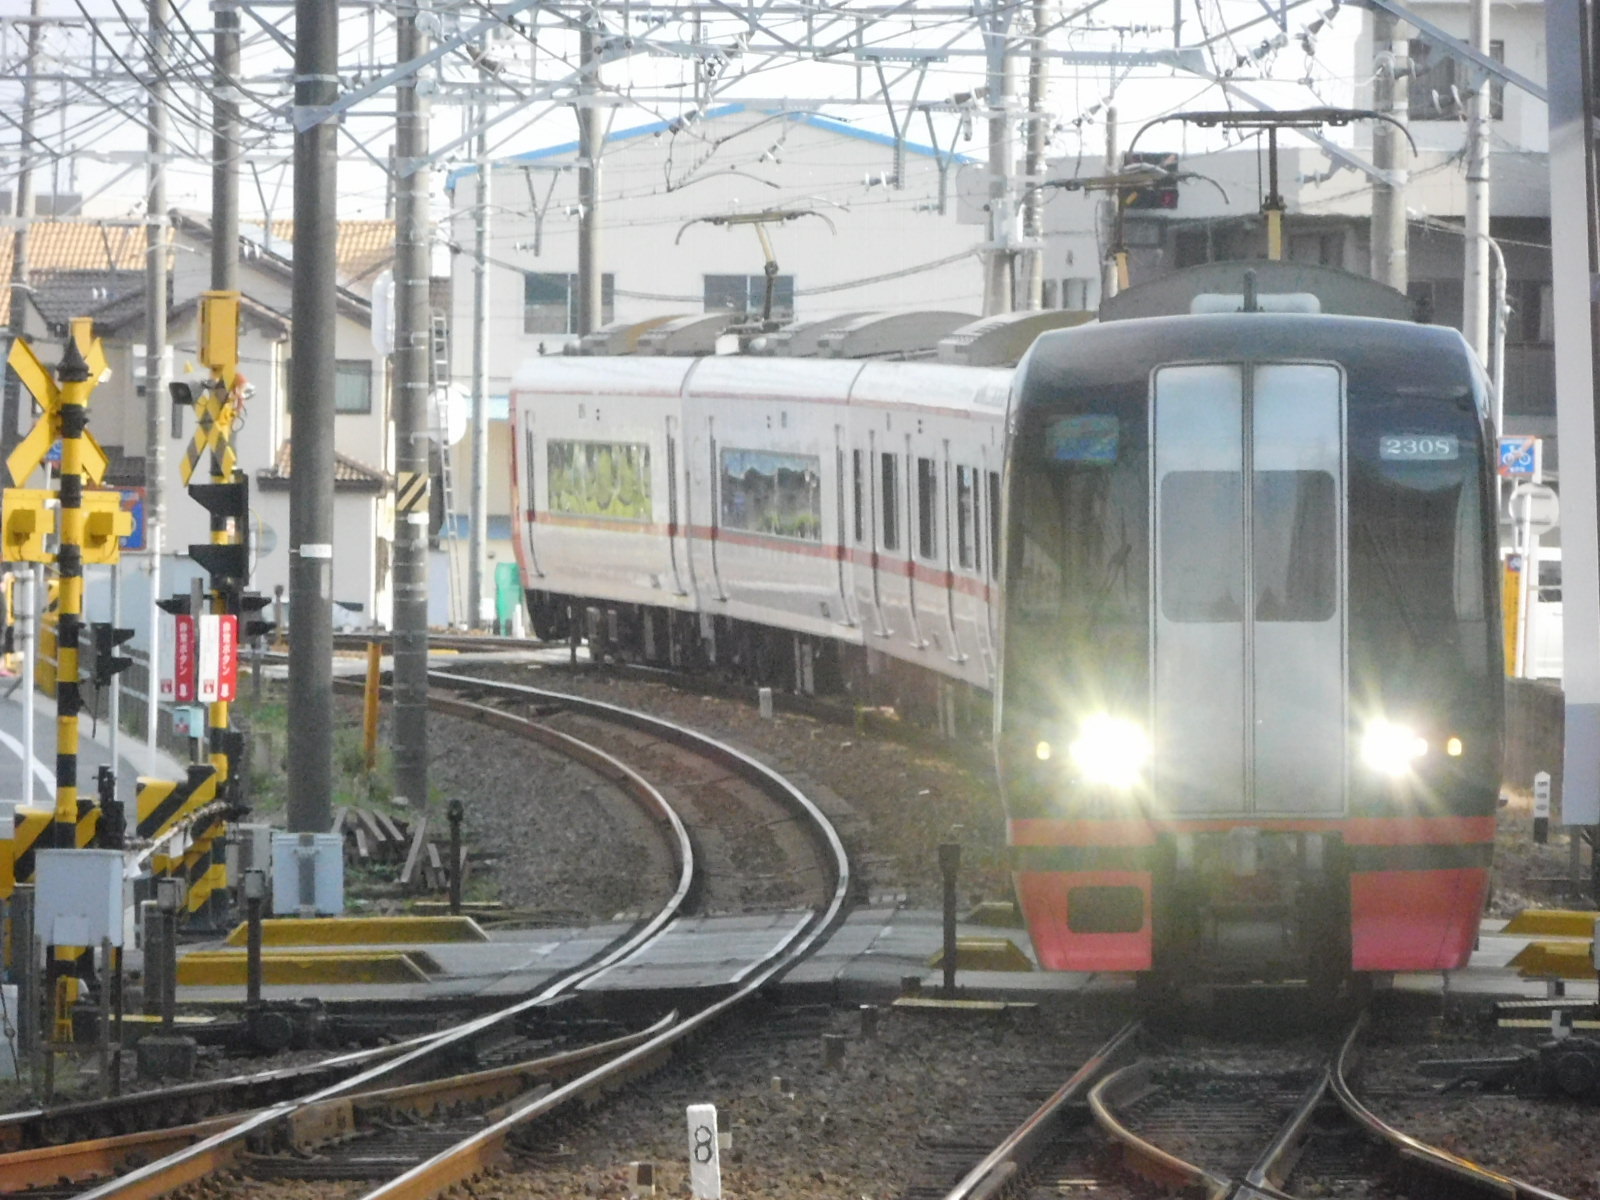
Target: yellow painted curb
x,y
1560,960
986,954
362,931
1552,922
229,968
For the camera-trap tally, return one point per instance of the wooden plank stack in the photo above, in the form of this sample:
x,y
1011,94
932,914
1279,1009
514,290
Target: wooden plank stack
x,y
377,840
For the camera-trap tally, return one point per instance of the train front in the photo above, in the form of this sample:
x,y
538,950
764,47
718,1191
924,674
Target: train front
x,y
1251,694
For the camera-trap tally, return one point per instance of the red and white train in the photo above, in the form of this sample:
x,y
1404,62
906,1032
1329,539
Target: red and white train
x,y
1228,578
799,522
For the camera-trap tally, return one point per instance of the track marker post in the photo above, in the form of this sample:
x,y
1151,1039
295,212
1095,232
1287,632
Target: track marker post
x,y
705,1157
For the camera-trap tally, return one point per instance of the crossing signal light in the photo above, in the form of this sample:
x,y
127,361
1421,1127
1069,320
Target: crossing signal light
x,y
105,524
253,625
227,564
28,519
107,662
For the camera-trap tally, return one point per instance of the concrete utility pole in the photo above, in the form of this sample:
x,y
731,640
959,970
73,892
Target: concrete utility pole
x,y
1033,171
1574,263
411,442
999,273
1475,288
1390,263
590,279
1110,220
225,153
311,385
477,533
156,401
22,208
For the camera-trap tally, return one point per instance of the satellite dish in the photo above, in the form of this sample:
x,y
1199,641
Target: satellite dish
x,y
449,409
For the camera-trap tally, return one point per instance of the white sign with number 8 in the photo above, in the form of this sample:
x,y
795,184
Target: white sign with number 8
x,y
705,1161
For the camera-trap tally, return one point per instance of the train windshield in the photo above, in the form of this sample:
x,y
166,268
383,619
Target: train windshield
x,y
1077,608
1411,508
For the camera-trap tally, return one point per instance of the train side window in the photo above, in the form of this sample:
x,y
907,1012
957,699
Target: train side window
x,y
858,483
927,509
994,524
966,525
891,502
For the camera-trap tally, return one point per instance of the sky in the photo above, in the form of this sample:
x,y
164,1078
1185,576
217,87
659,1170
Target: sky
x,y
90,130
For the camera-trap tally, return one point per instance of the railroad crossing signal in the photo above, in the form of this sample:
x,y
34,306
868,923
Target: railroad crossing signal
x,y
216,408
47,393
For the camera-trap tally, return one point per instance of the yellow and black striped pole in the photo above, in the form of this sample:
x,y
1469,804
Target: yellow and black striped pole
x,y
74,379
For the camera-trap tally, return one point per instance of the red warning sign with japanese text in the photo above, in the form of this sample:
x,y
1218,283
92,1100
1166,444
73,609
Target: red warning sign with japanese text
x,y
177,685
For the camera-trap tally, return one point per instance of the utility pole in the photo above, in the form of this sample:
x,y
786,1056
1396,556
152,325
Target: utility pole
x,y
411,342
1475,290
10,405
999,277
590,281
1574,267
1390,264
156,401
311,384
1115,263
477,533
1033,170
225,152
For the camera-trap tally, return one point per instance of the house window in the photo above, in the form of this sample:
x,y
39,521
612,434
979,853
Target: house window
x,y
743,295
550,301
1530,320
352,385
1439,87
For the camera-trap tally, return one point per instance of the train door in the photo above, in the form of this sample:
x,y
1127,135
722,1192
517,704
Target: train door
x,y
842,463
714,503
909,470
527,480
677,549
868,531
952,529
1249,621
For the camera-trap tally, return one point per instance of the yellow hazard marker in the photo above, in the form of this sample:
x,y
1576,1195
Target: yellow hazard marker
x,y
985,954
229,968
1552,922
1555,960
364,931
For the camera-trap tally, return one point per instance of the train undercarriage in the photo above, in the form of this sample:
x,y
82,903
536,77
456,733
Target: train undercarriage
x,y
744,653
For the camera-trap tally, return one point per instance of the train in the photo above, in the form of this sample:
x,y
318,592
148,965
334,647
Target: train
x,y
1225,582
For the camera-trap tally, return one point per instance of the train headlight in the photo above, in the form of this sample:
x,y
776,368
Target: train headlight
x,y
1390,749
1110,751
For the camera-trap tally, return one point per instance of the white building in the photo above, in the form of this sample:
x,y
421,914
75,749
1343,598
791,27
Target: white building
x,y
850,231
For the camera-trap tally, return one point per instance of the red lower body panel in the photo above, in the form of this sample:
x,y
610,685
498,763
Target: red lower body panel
x,y
1415,920
1045,897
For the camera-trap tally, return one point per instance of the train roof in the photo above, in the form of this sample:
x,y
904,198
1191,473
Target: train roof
x,y
1117,352
836,381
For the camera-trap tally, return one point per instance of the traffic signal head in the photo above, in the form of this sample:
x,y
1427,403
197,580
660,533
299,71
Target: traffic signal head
x,y
107,662
252,625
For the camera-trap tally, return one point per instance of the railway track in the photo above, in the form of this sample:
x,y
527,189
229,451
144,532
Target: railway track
x,y
470,1134
1222,1122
